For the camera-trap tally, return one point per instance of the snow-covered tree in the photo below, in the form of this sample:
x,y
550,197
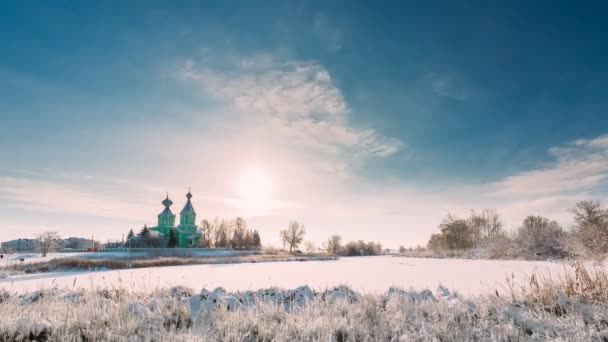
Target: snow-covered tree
x,y
540,236
591,227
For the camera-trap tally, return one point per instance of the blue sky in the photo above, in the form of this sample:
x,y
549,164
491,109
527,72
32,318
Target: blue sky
x,y
369,120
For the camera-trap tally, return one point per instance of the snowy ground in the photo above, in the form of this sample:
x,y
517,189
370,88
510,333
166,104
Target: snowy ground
x,y
366,274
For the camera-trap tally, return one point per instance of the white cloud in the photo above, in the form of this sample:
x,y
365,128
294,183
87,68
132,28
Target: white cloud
x,y
579,167
600,142
447,86
297,99
263,85
72,198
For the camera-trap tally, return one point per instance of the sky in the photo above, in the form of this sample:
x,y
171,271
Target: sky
x,y
367,120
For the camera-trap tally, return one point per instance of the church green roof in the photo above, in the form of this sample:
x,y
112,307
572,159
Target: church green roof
x,y
166,212
188,208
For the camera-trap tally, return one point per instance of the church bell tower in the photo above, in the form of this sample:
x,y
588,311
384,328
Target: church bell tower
x,y
188,215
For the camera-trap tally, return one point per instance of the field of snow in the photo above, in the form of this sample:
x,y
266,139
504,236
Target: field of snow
x,y
365,274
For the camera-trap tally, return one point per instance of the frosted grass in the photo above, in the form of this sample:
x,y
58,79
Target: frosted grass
x,y
397,315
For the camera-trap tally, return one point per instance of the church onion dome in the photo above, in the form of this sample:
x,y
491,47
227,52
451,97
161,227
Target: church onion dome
x,y
188,208
167,203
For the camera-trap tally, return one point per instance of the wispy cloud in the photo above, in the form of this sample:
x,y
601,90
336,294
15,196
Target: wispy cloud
x,y
581,166
298,99
448,86
600,142
73,197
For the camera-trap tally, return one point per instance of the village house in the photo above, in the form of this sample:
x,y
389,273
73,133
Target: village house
x,y
19,245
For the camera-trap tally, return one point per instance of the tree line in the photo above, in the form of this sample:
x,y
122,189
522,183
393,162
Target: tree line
x,y
536,237
215,234
230,234
293,236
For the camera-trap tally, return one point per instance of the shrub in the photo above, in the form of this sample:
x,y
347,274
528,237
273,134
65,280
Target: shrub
x,y
361,248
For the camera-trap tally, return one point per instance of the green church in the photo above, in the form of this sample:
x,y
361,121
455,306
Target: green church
x,y
187,231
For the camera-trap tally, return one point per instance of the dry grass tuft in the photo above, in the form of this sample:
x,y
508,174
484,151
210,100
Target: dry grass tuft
x,y
113,263
577,290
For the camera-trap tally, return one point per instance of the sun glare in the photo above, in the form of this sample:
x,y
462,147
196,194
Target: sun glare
x,y
255,190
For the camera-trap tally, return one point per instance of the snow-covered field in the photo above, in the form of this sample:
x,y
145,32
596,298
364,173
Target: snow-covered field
x,y
365,274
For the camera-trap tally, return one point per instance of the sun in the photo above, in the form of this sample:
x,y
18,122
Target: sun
x,y
255,188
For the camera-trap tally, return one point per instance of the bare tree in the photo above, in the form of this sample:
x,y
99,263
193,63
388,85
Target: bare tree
x,y
256,240
333,244
216,232
293,235
309,246
207,232
458,233
239,233
591,226
47,242
284,236
240,223
222,240
485,225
